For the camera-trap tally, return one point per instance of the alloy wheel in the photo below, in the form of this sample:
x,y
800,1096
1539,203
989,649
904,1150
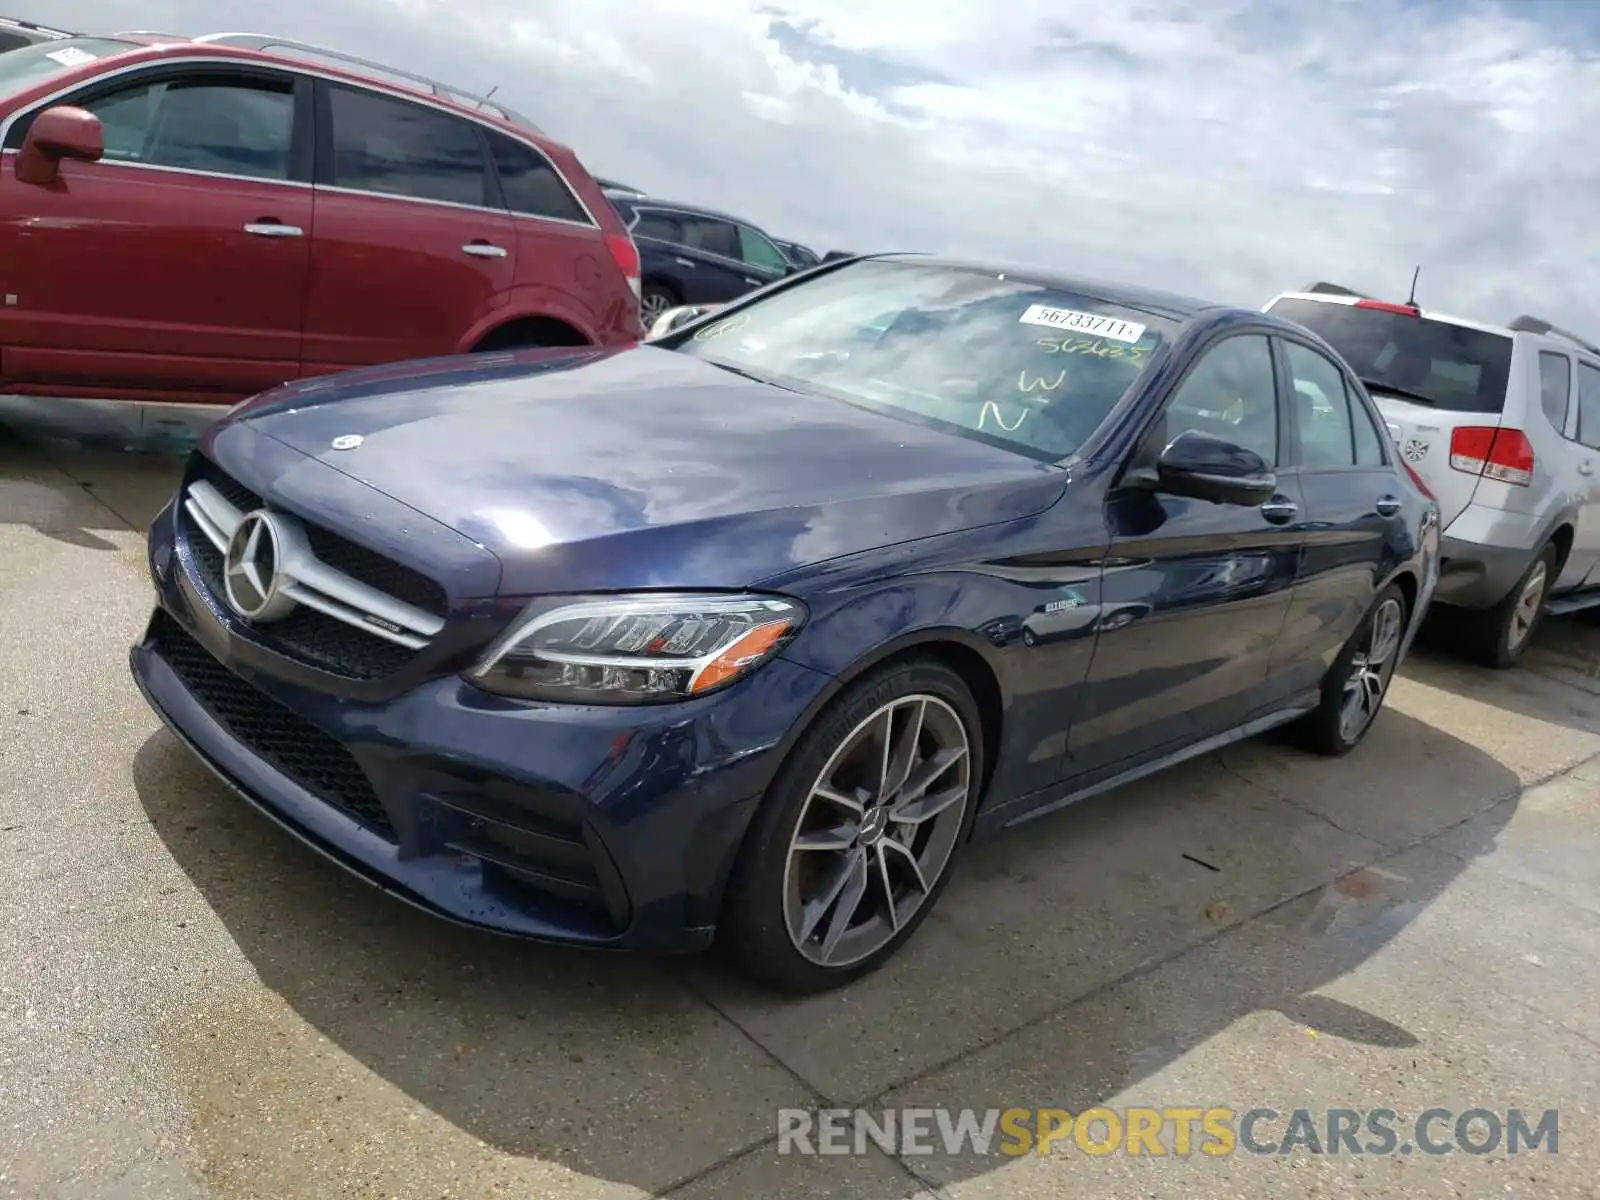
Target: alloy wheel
x,y
877,830
652,305
1370,671
1526,613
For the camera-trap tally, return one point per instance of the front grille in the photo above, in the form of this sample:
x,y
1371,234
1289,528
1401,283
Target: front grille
x,y
306,635
288,743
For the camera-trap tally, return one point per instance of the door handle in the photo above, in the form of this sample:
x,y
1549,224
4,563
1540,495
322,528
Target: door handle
x,y
1387,506
483,250
752,282
1585,468
271,227
1280,510
684,262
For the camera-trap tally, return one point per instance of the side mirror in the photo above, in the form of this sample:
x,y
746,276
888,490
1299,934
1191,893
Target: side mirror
x,y
58,133
676,318
1204,467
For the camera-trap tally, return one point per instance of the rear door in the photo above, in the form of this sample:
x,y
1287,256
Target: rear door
x,y
1430,379
413,247
1583,564
1200,590
177,264
1355,519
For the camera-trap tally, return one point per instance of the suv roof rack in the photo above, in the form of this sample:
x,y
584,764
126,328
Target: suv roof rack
x,y
1328,289
445,91
49,31
1529,324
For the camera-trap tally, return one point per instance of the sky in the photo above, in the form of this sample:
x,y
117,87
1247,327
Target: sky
x,y
1228,149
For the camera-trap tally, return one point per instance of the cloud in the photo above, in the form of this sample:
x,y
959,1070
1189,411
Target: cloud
x,y
1225,148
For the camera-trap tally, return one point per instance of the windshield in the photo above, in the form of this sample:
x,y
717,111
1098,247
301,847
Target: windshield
x,y
1430,362
24,68
1031,368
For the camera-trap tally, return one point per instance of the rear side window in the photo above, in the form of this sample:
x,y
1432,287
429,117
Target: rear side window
x,y
532,186
1589,405
401,149
659,225
1369,435
1555,387
711,235
1427,362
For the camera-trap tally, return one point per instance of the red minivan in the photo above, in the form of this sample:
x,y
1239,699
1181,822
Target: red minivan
x,y
198,220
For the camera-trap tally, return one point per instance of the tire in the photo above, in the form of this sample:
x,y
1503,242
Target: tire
x,y
1358,677
1498,636
855,846
655,299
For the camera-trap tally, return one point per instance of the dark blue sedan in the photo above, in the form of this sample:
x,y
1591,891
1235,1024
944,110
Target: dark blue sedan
x,y
746,632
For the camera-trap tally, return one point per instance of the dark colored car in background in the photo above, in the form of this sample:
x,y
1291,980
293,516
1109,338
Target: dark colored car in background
x,y
745,632
206,219
15,34
693,255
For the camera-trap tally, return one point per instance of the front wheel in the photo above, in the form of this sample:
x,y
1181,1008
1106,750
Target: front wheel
x,y
855,838
1355,687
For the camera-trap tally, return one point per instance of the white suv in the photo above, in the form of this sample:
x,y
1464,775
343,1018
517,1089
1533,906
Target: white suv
x,y
1503,425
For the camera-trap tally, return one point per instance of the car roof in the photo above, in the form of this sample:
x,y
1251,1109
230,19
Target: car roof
x,y
154,46
1172,305
1426,314
699,210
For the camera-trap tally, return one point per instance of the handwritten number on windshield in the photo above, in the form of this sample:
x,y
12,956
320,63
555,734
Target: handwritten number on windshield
x,y
990,407
1096,347
718,328
1024,384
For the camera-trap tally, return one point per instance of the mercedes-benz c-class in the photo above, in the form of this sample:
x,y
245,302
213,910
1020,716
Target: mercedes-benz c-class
x,y
743,633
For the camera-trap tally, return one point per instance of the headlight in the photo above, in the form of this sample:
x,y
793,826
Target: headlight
x,y
637,649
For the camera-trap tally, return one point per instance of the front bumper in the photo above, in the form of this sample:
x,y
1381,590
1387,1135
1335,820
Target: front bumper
x,y
607,827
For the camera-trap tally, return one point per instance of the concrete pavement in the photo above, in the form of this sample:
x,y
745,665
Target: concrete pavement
x,y
195,1006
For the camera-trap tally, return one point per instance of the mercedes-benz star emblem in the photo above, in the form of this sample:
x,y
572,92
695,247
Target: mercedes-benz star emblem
x,y
250,574
346,441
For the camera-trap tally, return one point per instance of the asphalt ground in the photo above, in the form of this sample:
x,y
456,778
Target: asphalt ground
x,y
193,1004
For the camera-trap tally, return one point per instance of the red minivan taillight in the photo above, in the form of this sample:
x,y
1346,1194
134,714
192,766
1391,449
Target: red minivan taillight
x,y
1502,454
626,255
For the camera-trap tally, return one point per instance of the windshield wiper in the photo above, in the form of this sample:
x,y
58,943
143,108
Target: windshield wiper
x,y
746,373
1378,385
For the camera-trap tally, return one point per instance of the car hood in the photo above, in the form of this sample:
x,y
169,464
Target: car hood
x,y
642,467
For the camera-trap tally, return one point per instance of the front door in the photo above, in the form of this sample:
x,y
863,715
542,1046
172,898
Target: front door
x,y
413,247
1196,591
764,262
176,264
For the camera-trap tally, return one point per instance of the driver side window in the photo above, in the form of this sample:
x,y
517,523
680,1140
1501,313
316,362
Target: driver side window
x,y
1230,393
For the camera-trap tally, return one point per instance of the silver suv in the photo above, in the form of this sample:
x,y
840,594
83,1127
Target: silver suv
x,y
1503,425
